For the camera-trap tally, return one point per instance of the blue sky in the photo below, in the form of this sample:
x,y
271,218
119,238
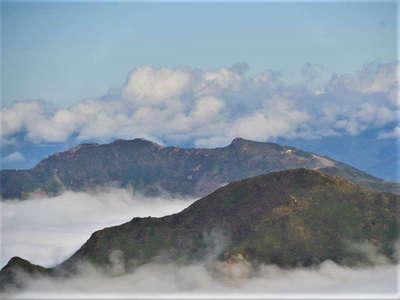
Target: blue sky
x,y
64,52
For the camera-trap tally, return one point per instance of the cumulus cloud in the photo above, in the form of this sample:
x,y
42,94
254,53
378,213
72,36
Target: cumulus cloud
x,y
19,116
210,107
278,117
374,77
392,134
15,156
149,86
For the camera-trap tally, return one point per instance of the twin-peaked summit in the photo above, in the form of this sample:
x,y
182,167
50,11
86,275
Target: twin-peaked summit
x,y
153,169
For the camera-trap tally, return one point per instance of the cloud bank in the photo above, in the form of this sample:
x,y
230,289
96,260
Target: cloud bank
x,y
209,108
166,281
48,230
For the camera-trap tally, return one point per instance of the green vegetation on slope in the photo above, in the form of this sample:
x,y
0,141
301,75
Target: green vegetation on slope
x,y
289,218
154,169
286,218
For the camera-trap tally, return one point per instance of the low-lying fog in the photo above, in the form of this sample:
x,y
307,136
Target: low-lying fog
x,y
47,230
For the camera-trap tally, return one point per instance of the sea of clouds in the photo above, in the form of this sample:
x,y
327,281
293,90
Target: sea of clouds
x,y
168,281
48,230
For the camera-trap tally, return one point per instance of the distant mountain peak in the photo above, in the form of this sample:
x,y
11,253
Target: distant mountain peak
x,y
238,141
16,260
80,146
138,141
152,168
17,265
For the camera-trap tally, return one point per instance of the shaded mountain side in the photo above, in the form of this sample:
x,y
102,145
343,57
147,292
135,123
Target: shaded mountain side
x,y
285,218
153,169
289,218
10,275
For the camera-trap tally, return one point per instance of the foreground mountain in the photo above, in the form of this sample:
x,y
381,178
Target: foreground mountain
x,y
153,169
289,218
10,275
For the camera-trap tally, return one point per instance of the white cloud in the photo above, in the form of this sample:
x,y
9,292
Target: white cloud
x,y
208,108
278,117
149,86
374,77
375,114
48,230
20,115
392,134
200,281
15,156
215,82
349,126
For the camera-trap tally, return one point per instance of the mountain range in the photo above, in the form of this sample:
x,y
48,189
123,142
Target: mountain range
x,y
154,169
288,218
